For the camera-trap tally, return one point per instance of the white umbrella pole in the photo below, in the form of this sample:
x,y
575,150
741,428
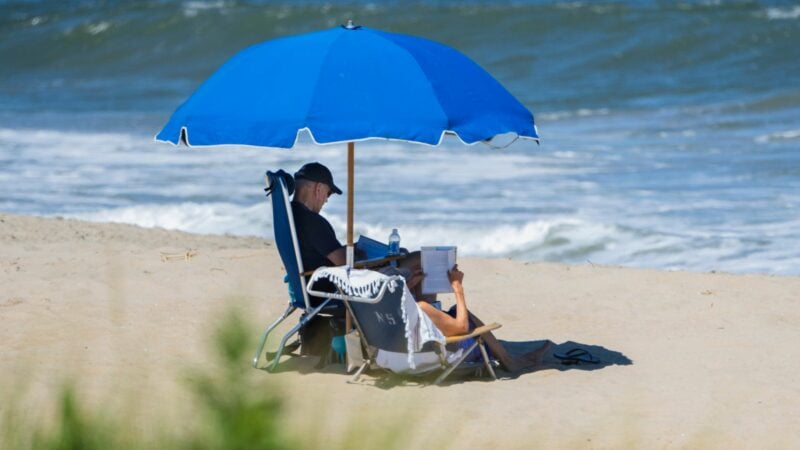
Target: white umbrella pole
x,y
351,150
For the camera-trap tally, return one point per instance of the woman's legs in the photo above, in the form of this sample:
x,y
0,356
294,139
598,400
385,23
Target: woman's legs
x,y
413,263
529,360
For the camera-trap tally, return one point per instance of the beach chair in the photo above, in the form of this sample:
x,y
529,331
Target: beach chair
x,y
280,186
381,326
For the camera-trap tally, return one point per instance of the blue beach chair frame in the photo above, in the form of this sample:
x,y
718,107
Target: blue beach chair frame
x,y
280,186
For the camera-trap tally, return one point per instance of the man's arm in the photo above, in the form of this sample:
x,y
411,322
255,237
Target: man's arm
x,y
338,257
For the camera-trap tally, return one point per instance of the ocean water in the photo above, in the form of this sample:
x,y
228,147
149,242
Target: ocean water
x,y
670,130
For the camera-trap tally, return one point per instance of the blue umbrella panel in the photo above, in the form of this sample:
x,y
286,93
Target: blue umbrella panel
x,y
347,84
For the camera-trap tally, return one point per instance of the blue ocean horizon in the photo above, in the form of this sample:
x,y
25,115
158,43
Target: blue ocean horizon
x,y
670,130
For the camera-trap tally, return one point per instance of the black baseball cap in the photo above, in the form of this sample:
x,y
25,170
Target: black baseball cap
x,y
317,172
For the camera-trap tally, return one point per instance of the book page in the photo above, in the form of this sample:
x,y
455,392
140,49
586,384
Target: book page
x,y
436,262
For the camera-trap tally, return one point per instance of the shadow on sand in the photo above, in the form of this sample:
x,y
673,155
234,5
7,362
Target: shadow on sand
x,y
385,380
604,357
378,378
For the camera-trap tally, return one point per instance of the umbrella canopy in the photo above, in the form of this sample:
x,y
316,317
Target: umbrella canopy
x,y
346,84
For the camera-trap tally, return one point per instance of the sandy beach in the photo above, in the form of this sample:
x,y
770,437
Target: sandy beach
x,y
689,359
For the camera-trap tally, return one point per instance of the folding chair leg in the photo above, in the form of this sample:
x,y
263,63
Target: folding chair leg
x,y
486,361
294,330
359,371
457,363
289,310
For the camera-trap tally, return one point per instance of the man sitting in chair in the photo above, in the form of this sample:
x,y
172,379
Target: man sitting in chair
x,y
318,243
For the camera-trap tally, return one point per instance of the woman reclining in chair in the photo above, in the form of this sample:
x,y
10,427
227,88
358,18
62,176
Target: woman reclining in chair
x,y
459,321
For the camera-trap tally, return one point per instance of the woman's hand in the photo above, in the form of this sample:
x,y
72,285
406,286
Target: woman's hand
x,y
456,277
415,279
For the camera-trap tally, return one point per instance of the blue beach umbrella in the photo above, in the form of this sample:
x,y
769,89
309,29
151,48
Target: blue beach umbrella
x,y
347,84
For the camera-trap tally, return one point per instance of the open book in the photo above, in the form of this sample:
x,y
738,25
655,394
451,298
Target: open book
x,y
436,262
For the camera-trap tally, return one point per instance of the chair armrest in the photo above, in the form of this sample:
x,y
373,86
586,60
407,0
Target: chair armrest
x,y
365,263
377,261
474,333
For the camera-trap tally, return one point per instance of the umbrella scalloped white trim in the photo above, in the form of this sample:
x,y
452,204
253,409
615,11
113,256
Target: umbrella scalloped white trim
x,y
185,136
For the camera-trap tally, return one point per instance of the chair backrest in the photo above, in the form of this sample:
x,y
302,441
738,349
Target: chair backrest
x,y
381,323
279,186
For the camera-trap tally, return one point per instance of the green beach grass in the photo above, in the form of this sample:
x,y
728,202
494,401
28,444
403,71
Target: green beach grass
x,y
232,411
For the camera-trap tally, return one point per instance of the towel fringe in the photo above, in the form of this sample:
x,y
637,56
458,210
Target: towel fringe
x,y
410,334
349,285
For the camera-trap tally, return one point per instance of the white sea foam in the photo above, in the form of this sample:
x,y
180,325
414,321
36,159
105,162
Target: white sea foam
x,y
192,8
778,13
645,205
208,218
582,112
97,28
778,136
486,240
559,239
570,5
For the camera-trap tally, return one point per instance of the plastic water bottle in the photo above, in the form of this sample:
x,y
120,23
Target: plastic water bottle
x,y
394,245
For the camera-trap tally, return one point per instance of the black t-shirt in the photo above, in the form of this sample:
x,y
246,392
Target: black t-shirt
x,y
315,236
316,239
